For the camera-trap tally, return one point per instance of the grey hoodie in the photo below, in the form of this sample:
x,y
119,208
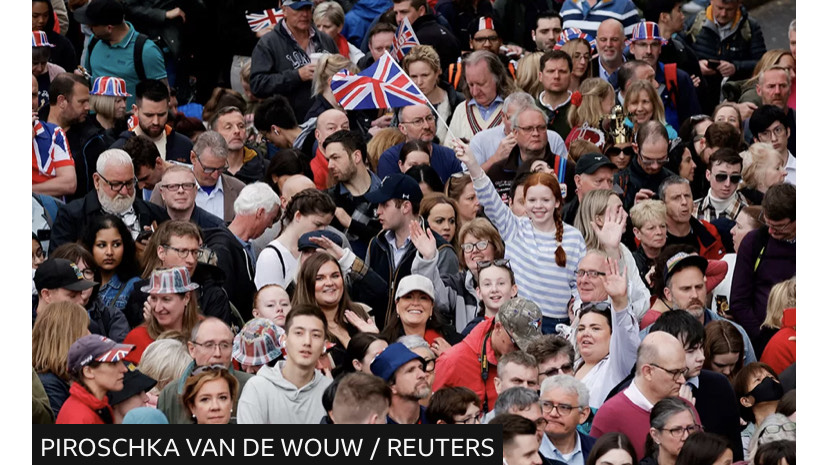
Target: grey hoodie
x,y
268,398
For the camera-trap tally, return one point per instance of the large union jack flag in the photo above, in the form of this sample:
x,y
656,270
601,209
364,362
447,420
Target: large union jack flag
x,y
405,39
50,149
381,85
263,19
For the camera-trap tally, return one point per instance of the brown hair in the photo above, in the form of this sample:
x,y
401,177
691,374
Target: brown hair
x,y
58,325
448,402
437,198
482,229
740,383
424,53
551,182
721,337
382,141
633,93
161,237
456,184
358,396
220,98
194,384
580,147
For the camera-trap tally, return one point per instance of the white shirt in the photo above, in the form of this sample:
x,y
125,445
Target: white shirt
x,y
269,269
212,202
637,398
484,144
790,167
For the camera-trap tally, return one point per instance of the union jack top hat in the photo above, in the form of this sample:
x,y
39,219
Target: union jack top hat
x,y
109,86
572,33
95,348
259,342
647,30
39,39
170,281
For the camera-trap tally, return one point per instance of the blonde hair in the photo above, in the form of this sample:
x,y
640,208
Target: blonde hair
x,y
165,361
331,11
758,158
593,205
768,60
327,66
58,325
569,49
382,141
526,76
633,94
424,53
782,296
593,92
103,104
648,211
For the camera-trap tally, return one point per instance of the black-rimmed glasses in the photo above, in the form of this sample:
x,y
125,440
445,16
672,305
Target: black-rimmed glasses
x,y
184,253
118,185
679,431
676,374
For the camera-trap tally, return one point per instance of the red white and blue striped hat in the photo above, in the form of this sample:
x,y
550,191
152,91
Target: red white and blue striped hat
x,y
109,86
480,23
647,30
170,281
39,39
572,33
258,343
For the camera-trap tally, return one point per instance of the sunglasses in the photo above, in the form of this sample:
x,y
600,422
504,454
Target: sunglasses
x,y
502,262
734,178
208,368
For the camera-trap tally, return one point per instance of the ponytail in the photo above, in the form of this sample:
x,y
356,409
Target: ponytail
x,y
560,254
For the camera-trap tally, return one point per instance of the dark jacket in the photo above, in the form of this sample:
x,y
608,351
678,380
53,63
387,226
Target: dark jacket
x,y
687,102
366,225
239,268
460,18
503,172
87,141
178,145
633,178
704,237
212,299
73,218
275,66
149,18
518,18
205,219
253,168
430,32
63,54
56,388
677,51
380,259
107,321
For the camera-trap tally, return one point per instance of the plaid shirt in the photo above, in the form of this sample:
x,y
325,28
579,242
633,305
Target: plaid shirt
x,y
704,210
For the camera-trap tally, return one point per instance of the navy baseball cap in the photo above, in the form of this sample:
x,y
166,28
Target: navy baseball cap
x,y
306,243
295,4
396,186
391,359
591,162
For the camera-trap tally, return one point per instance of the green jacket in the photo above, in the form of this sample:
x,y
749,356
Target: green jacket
x,y
169,402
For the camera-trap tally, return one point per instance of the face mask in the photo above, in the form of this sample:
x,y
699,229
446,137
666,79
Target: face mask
x,y
766,391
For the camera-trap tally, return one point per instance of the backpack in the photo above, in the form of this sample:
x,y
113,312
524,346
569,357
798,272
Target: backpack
x,y
137,54
671,81
759,246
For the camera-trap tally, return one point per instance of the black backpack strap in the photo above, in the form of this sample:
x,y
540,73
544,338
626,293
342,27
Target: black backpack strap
x,y
138,56
281,260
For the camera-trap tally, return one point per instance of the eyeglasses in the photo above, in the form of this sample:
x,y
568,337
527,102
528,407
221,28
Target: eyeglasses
x,y
429,364
779,228
481,40
420,121
625,152
207,368
651,162
773,429
88,274
210,170
483,264
118,185
591,273
187,186
184,253
676,374
470,246
776,131
210,345
734,178
679,431
511,338
540,424
563,409
532,129
564,369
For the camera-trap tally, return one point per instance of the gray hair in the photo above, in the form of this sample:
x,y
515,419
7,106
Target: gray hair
x,y
670,181
774,419
113,157
331,11
773,68
521,99
531,107
518,397
214,141
664,409
569,384
253,197
413,341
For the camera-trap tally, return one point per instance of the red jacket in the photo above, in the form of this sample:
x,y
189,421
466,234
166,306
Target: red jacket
x,y
780,352
461,365
80,408
140,338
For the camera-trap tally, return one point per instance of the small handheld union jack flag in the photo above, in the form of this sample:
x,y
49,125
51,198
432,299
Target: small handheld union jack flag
x,y
381,85
264,19
405,40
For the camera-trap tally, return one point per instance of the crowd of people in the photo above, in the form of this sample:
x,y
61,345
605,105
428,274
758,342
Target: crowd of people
x,y
586,233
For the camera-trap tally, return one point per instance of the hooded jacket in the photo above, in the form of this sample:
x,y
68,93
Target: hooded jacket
x,y
268,398
82,408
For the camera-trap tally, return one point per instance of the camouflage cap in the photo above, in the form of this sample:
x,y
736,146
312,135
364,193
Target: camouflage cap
x,y
522,320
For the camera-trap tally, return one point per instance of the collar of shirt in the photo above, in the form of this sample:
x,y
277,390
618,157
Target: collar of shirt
x,y
311,48
127,38
604,74
694,381
486,111
219,187
248,247
637,398
392,241
540,99
548,450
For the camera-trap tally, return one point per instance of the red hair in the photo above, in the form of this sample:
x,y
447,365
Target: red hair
x,y
547,180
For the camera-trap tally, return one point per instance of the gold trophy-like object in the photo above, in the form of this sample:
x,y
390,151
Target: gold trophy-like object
x,y
619,132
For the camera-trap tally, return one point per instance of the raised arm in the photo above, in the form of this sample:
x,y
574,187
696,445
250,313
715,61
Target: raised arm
x,y
624,340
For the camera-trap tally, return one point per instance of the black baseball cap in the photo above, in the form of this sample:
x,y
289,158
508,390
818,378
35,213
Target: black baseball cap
x,y
101,13
56,273
590,162
396,186
135,382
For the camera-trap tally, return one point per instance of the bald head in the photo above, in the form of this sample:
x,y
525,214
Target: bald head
x,y
294,184
610,40
658,347
328,123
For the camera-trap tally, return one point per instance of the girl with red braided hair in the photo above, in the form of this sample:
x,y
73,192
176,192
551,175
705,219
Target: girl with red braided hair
x,y
543,251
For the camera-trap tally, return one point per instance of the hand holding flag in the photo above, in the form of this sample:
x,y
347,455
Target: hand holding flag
x,y
264,19
404,40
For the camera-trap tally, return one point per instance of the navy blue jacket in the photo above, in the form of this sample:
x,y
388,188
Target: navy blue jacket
x,y
443,160
178,145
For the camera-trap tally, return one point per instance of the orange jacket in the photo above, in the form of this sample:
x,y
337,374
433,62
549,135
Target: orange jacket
x,y
461,365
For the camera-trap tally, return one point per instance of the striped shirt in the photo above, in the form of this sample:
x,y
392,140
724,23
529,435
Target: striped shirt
x,y
532,254
578,14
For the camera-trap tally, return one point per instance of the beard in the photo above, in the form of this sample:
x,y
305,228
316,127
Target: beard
x,y
117,205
